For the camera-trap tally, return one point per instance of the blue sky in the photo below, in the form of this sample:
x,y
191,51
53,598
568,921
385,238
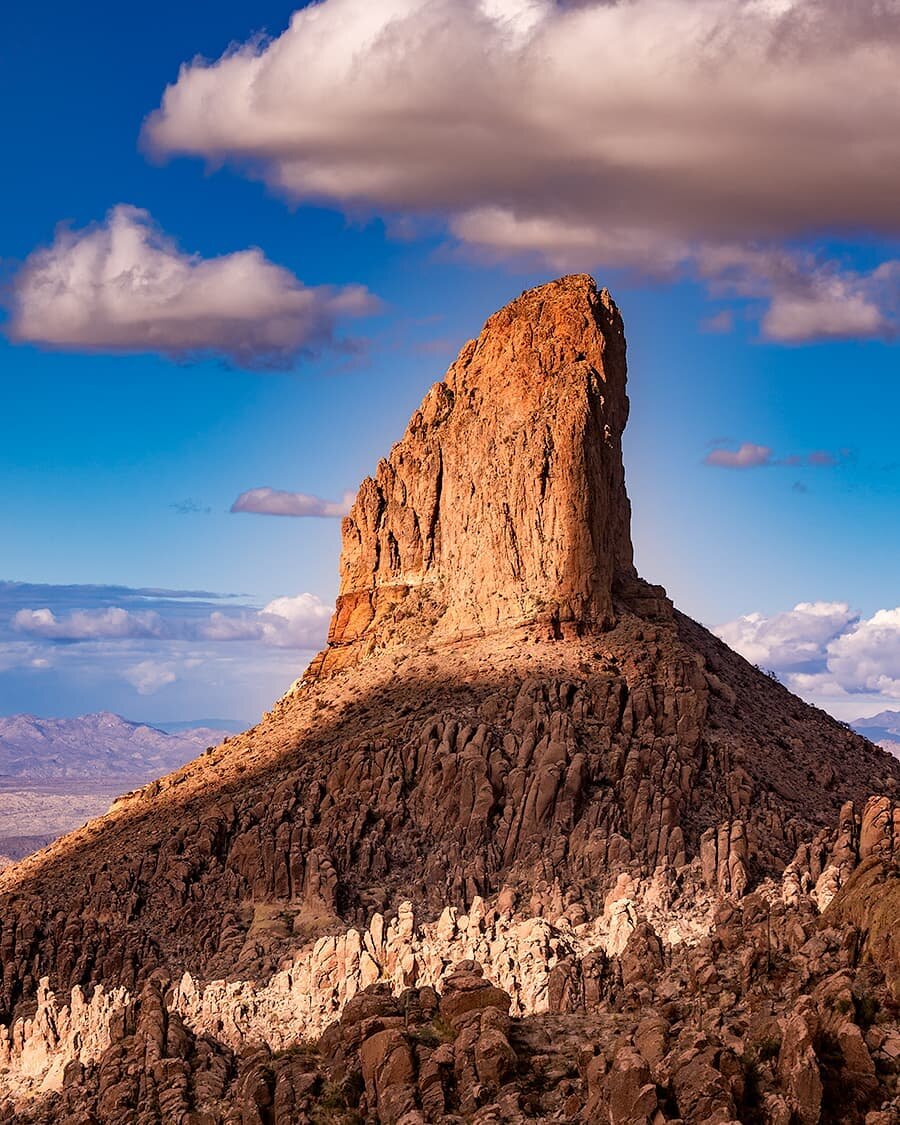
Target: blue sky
x,y
120,460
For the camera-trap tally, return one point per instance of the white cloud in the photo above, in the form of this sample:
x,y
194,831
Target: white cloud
x,y
747,456
243,626
789,640
837,312
149,676
868,657
823,649
288,622
88,624
275,502
807,297
124,286
105,671
653,133
298,622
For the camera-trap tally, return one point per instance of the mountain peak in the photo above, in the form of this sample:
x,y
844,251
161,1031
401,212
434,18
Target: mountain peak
x,y
504,503
588,812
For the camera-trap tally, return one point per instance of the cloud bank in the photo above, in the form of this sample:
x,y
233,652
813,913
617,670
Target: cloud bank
x,y
721,136
823,648
87,624
90,647
287,622
125,286
275,502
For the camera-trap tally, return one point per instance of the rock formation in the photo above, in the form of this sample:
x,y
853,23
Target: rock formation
x,y
505,502
524,844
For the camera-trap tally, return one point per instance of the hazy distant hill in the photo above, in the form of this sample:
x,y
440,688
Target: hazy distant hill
x,y
235,726
57,773
883,728
102,747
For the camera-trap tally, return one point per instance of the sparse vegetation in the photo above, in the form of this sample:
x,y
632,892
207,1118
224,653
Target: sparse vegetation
x,y
303,1047
336,1104
434,1033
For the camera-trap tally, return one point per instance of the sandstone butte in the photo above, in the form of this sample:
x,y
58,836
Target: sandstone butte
x,y
523,844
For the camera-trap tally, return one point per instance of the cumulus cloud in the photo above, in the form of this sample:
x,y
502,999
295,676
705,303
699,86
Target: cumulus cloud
x,y
868,657
823,648
149,676
806,297
722,136
88,624
183,646
298,622
747,456
789,640
287,622
184,618
125,286
275,502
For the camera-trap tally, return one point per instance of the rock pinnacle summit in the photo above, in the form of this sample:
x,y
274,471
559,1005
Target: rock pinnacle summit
x,y
504,502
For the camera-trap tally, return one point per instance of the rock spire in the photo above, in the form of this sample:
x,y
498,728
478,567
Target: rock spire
x,y
504,503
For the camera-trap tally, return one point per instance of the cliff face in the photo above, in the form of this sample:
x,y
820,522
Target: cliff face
x,y
513,752
505,500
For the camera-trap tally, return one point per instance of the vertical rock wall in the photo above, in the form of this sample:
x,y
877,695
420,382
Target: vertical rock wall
x,y
505,500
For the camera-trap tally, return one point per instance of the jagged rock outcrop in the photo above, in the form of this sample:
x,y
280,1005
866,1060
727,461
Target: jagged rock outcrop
x,y
515,753
505,500
777,1014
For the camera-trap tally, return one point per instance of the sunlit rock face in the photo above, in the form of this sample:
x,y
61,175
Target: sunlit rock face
x,y
505,500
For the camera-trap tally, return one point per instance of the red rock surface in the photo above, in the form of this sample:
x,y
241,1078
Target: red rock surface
x,y
505,500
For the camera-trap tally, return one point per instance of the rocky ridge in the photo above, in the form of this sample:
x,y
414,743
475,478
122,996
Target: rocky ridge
x,y
517,782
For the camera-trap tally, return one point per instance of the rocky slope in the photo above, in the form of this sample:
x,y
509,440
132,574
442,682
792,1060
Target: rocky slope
x,y
524,844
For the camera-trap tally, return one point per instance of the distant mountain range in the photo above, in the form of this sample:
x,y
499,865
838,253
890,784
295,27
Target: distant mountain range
x,y
883,728
102,747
